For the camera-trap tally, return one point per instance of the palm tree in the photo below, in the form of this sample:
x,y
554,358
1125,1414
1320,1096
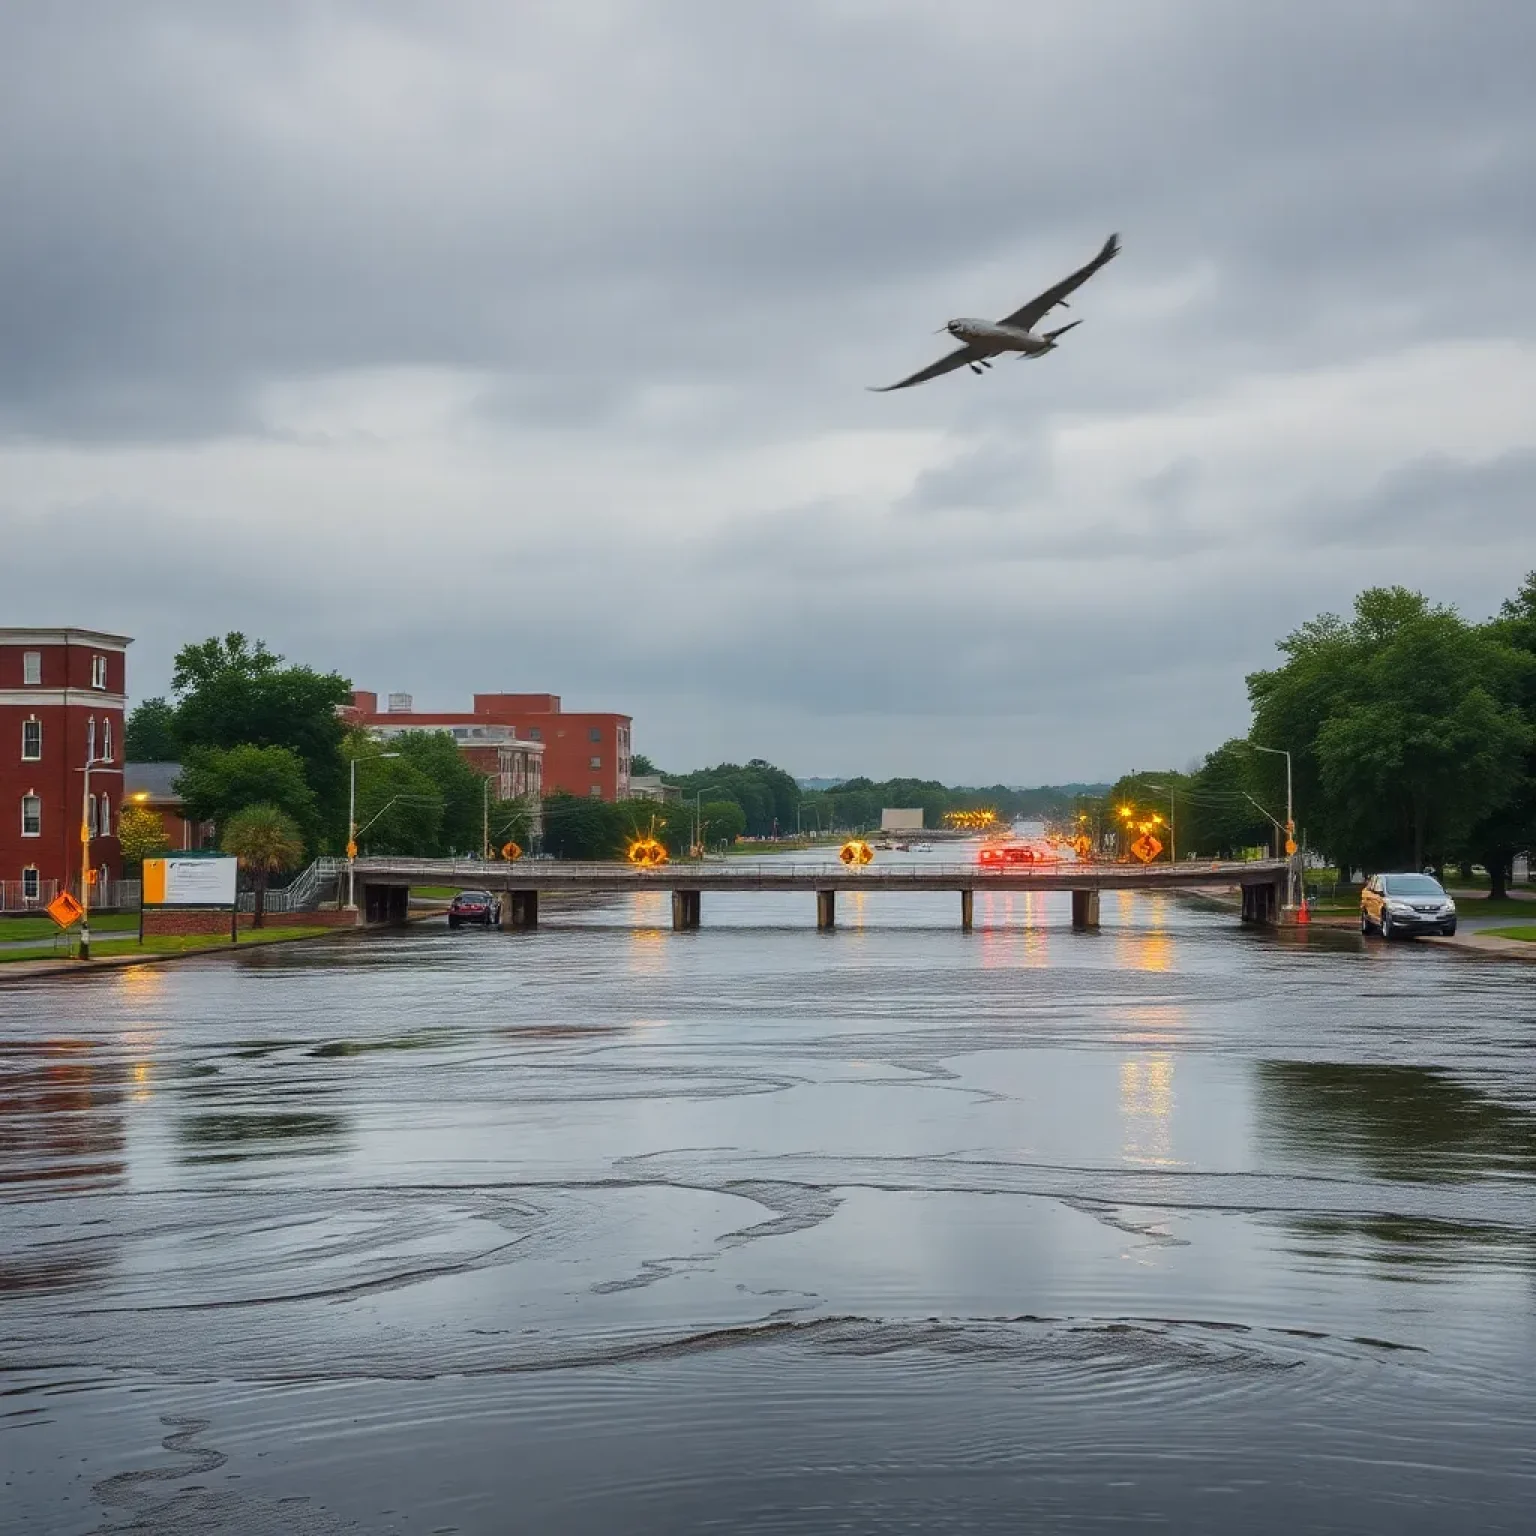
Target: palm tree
x,y
266,841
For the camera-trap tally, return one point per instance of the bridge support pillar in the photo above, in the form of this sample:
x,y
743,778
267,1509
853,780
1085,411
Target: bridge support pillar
x,y
520,910
967,910
1085,910
826,909
1261,904
686,909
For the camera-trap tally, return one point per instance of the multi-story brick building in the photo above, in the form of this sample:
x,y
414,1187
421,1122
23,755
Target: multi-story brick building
x,y
584,754
62,696
516,768
580,754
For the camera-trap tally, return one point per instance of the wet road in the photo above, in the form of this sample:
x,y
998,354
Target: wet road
x,y
605,1228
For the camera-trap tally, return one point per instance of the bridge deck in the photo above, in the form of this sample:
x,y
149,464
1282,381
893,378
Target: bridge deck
x,y
751,874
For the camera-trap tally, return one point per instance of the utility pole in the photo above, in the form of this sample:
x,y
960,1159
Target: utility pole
x,y
85,859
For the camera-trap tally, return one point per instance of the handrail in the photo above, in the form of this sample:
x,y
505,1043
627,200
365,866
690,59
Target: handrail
x,y
561,870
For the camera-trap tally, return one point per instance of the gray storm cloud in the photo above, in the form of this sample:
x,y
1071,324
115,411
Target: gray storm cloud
x,y
366,327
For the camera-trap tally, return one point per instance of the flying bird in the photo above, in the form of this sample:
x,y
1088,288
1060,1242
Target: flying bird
x,y
982,340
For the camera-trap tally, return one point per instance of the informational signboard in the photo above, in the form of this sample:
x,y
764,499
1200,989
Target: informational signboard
x,y
172,882
901,819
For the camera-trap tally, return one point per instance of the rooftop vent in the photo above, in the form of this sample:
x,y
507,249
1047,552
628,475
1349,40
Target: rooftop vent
x,y
399,704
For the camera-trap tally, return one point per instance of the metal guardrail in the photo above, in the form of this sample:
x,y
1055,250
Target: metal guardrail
x,y
553,873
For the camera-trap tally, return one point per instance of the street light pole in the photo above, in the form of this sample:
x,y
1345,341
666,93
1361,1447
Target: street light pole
x,y
698,811
352,827
1290,821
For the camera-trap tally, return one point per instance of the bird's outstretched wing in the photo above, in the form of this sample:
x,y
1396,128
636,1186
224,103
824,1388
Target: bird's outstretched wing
x,y
956,359
1038,308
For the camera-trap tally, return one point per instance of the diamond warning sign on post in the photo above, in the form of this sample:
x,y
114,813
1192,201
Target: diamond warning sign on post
x,y
1146,847
64,909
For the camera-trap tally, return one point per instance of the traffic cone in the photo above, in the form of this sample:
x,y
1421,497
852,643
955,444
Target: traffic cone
x,y
1303,916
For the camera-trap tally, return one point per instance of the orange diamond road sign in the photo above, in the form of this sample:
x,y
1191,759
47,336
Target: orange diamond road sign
x,y
351,850
1290,845
1146,847
64,909
511,852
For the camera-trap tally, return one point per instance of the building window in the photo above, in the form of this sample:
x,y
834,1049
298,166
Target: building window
x,y
535,734
98,671
594,734
594,762
90,814
31,816
90,740
104,820
31,886
596,791
32,667
106,740
31,740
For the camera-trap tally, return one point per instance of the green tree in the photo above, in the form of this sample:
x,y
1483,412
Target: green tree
x,y
399,807
141,835
150,735
217,783
580,827
1216,813
1403,724
436,756
267,841
230,692
641,764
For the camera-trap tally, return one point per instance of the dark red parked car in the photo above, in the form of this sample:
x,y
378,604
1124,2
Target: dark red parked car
x,y
474,907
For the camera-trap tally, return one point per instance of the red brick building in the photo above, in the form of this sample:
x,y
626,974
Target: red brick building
x,y
62,697
152,787
581,754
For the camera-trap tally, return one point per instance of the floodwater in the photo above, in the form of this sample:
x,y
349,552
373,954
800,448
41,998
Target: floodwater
x,y
604,1228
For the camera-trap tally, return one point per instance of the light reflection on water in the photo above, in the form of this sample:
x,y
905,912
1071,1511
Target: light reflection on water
x,y
756,1227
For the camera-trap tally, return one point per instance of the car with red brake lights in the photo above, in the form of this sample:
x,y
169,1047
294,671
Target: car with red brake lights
x,y
474,907
1004,855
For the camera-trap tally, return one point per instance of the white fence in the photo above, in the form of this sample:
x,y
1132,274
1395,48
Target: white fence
x,y
13,897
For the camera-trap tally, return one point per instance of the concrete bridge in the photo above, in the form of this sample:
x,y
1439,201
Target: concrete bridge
x,y
383,884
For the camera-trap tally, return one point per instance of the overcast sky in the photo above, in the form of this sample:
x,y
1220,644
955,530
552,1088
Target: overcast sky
x,y
524,346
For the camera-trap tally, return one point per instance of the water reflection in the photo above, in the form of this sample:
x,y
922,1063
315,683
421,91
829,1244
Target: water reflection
x,y
1401,1124
1146,1109
1396,1122
226,1138
56,1119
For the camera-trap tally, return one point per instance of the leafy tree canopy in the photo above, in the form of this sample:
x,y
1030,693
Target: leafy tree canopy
x,y
230,692
216,783
150,735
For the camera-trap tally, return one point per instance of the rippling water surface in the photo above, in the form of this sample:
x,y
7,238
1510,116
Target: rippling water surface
x,y
606,1228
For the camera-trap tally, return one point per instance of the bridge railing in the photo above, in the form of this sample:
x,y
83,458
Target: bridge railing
x,y
560,871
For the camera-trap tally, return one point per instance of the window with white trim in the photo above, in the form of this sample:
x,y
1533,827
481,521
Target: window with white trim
x,y
31,740
31,816
98,671
104,817
31,885
90,740
90,814
594,762
106,740
596,791
32,668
